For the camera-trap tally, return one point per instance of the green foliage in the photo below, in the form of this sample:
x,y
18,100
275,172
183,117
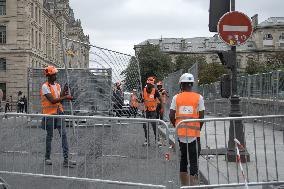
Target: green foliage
x,y
131,74
254,67
154,63
210,73
187,61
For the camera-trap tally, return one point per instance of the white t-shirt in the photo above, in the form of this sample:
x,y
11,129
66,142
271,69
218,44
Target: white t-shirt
x,y
200,107
46,90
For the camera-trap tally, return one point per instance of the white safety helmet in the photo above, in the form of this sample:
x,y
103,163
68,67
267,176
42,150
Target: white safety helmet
x,y
186,78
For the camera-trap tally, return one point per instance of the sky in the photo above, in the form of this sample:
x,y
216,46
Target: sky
x,y
120,24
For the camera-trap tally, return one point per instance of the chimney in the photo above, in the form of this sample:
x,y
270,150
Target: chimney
x,y
254,20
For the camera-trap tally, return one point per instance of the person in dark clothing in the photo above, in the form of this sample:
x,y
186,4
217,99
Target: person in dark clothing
x,y
117,99
25,107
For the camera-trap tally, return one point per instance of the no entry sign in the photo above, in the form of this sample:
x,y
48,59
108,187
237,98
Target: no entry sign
x,y
234,28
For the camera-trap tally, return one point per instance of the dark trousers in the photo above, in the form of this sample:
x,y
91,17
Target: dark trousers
x,y
50,124
150,115
192,150
159,114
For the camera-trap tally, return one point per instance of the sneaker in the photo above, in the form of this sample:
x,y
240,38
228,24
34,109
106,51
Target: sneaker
x,y
146,143
48,162
69,163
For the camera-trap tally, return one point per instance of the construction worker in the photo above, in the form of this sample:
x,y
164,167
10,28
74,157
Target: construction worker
x,y
117,98
163,94
150,97
188,105
51,98
134,102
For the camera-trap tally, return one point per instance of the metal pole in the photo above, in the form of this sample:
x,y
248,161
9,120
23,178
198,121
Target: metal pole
x,y
67,76
236,127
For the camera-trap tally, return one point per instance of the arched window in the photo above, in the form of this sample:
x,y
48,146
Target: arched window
x,y
267,36
281,37
268,40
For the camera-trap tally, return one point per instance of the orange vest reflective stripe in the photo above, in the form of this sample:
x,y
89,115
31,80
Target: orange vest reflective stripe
x,y
149,100
134,101
186,108
47,106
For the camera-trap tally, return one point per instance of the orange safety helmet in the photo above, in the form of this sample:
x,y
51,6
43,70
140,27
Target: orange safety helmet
x,y
160,83
50,70
151,80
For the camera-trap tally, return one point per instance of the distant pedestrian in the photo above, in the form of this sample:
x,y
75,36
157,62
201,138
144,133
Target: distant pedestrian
x,y
51,98
150,97
117,99
1,99
20,102
163,94
188,105
134,103
25,107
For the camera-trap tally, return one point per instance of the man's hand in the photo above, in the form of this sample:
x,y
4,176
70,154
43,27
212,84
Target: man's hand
x,y
69,97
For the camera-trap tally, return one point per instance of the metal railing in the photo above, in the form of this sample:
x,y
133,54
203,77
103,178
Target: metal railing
x,y
261,154
109,152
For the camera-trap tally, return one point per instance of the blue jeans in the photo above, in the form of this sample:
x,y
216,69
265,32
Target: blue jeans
x,y
49,124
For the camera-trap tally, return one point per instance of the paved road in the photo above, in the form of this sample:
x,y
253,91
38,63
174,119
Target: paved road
x,y
112,151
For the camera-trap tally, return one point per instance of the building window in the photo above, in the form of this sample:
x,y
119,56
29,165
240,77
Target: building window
x,y
2,34
39,16
2,7
32,10
2,64
36,12
268,37
39,41
32,37
281,37
36,39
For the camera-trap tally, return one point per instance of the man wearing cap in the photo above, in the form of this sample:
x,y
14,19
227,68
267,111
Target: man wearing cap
x,y
188,105
51,98
151,97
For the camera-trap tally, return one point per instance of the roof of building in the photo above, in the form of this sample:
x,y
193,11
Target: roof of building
x,y
272,21
194,45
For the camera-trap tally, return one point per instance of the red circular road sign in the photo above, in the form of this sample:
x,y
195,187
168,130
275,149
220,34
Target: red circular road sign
x,y
234,28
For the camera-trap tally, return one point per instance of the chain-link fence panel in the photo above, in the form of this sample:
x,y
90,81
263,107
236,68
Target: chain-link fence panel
x,y
172,87
105,89
194,71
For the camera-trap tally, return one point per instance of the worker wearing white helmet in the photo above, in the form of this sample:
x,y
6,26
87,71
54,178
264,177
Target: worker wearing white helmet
x,y
188,105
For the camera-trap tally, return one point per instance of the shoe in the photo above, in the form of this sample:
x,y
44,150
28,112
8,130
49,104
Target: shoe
x,y
69,163
48,162
146,143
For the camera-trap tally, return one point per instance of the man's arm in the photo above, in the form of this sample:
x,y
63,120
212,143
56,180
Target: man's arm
x,y
54,100
172,116
201,116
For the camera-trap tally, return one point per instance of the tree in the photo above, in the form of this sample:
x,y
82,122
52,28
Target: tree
x,y
153,62
211,73
131,73
186,61
254,67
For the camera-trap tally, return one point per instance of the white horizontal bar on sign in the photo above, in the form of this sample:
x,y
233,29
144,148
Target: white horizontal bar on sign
x,y
235,28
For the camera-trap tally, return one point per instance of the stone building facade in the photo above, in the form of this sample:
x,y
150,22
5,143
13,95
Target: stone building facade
x,y
267,39
30,36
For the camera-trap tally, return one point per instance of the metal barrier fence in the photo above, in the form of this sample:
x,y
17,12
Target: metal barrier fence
x,y
108,151
261,154
172,87
94,89
261,94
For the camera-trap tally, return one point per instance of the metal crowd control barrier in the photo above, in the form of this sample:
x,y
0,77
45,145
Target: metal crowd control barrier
x,y
262,152
108,152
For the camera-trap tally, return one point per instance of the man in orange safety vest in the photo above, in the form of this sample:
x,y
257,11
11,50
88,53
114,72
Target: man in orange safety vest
x,y
151,97
51,98
188,105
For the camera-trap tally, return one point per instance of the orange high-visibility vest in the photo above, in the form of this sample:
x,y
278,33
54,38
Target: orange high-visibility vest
x,y
133,101
186,108
47,106
149,100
